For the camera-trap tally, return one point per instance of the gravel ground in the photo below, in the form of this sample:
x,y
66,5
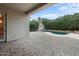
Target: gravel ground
x,y
41,44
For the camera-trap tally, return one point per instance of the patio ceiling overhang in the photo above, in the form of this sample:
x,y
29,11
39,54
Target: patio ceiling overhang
x,y
27,8
35,7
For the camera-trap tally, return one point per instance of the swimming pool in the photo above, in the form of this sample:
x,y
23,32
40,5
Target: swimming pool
x,y
59,33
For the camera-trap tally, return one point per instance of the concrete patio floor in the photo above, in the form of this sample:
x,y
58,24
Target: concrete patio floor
x,y
41,44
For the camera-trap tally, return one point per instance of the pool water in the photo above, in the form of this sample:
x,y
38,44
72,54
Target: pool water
x,y
60,33
57,32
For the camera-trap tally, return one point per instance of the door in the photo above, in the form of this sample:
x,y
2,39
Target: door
x,y
2,27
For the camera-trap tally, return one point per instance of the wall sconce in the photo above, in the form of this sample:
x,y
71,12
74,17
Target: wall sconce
x,y
0,21
0,15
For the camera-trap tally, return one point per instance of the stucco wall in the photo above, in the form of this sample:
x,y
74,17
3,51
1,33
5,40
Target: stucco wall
x,y
17,24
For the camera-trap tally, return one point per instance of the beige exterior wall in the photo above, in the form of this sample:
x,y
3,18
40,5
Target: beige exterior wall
x,y
17,24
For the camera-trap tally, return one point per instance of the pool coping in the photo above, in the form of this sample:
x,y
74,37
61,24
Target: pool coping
x,y
70,35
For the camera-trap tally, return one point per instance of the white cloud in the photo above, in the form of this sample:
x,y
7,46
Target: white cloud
x,y
75,5
63,8
50,16
69,8
33,17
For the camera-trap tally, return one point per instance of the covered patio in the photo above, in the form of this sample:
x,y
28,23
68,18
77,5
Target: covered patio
x,y
41,44
18,41
14,19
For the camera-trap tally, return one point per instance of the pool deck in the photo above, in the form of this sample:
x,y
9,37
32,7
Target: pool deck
x,y
41,44
54,45
70,35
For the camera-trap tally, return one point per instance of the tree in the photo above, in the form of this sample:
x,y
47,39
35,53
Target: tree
x,y
66,22
33,25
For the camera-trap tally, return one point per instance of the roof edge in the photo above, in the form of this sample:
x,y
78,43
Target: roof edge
x,y
35,7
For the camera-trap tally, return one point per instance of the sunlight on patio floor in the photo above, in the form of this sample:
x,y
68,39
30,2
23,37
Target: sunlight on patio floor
x,y
41,44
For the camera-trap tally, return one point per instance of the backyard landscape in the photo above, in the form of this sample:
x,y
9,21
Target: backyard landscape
x,y
56,36
66,23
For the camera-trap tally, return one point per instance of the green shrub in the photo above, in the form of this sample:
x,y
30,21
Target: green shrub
x,y
66,22
33,25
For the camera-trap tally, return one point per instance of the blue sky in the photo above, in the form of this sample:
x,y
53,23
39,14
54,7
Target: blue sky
x,y
57,10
